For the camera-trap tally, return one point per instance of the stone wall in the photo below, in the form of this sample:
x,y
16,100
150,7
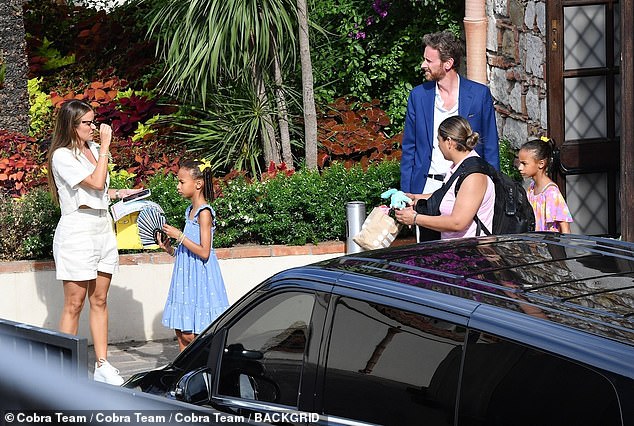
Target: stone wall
x,y
14,96
516,55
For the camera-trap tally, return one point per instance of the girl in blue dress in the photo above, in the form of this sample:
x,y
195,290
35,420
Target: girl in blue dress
x,y
197,294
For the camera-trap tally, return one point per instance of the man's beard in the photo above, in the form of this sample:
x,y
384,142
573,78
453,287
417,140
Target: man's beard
x,y
434,76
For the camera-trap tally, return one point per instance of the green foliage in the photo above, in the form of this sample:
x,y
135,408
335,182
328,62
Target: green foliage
x,y
54,58
145,129
306,207
27,225
40,110
99,41
165,194
129,92
373,49
120,179
203,42
507,160
94,4
227,131
237,212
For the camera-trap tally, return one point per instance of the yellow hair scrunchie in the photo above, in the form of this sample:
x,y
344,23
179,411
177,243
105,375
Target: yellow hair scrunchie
x,y
205,164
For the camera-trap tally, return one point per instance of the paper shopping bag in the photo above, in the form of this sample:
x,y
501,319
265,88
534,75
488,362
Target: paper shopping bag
x,y
378,230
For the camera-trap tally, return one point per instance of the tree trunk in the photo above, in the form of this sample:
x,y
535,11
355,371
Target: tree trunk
x,y
310,114
280,98
267,133
14,94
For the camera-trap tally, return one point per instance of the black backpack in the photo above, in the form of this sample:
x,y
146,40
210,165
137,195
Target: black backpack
x,y
512,212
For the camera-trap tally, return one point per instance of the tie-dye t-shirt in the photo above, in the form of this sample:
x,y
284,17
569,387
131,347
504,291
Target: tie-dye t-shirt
x,y
549,207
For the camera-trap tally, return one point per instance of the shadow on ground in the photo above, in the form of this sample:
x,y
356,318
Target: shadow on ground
x,y
134,357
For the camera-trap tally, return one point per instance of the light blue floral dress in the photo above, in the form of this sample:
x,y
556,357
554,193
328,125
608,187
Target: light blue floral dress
x,y
197,294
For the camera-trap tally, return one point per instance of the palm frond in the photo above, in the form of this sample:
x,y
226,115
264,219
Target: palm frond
x,y
203,40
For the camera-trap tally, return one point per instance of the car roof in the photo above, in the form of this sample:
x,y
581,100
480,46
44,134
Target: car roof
x,y
582,282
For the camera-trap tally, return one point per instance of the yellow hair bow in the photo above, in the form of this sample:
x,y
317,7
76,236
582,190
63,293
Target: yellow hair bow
x,y
205,164
545,138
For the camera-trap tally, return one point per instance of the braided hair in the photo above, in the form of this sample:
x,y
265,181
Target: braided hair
x,y
206,175
541,149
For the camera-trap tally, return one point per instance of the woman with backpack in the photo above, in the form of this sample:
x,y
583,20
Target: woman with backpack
x,y
476,194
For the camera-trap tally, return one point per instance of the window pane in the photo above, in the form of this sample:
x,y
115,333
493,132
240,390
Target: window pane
x,y
505,383
587,198
264,352
584,35
585,106
391,367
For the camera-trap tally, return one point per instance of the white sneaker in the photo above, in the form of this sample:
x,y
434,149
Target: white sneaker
x,y
106,373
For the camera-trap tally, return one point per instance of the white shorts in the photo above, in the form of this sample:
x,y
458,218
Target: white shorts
x,y
85,243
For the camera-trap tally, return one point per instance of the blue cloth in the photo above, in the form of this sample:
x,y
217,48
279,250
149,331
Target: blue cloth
x,y
475,103
398,199
197,294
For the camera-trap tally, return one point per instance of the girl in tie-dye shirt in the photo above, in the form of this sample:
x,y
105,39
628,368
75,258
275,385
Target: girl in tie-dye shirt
x,y
551,211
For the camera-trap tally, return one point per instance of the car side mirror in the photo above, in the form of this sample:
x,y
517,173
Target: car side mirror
x,y
195,386
238,351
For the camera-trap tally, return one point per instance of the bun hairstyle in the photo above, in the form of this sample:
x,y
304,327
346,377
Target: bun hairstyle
x,y
541,149
459,130
201,169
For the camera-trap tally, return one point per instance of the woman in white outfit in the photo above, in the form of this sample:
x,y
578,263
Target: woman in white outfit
x,y
84,246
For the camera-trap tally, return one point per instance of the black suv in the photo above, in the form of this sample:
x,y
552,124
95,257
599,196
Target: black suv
x,y
534,329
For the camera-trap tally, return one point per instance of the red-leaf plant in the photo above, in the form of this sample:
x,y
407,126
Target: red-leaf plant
x,y
21,161
353,132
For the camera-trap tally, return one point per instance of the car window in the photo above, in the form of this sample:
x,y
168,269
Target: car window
x,y
506,383
264,350
391,367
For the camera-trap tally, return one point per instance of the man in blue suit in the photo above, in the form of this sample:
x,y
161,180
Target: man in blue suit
x,y
443,95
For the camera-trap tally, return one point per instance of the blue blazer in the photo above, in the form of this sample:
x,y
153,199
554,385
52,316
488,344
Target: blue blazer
x,y
475,103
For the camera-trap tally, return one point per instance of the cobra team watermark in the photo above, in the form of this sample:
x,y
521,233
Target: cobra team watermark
x,y
118,417
151,417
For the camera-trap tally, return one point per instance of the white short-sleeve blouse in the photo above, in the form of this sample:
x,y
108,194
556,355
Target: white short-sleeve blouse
x,y
70,168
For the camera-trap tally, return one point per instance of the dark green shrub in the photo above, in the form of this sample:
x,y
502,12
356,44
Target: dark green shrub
x,y
306,207
508,155
27,225
165,194
238,211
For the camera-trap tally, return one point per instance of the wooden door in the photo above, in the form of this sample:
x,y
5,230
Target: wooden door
x,y
584,108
